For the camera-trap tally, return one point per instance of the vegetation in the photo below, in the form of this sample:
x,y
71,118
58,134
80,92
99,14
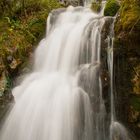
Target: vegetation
x,y
22,25
130,19
20,7
111,8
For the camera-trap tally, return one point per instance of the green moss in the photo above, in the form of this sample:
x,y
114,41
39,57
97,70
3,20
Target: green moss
x,y
111,8
129,20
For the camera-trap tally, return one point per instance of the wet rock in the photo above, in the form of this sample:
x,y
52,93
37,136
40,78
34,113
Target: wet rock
x,y
126,83
106,29
9,59
127,65
5,94
3,83
104,66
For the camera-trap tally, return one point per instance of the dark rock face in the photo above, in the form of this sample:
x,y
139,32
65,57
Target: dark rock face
x,y
126,79
5,102
104,66
127,65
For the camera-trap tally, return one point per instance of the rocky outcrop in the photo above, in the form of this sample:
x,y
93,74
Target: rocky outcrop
x,y
127,64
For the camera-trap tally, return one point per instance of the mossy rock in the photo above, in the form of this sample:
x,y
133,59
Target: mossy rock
x,y
111,8
96,6
127,26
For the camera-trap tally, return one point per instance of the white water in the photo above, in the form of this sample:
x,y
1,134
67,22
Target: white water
x,y
50,103
62,98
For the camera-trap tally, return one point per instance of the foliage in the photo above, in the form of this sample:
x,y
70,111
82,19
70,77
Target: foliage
x,y
130,19
23,7
22,25
111,8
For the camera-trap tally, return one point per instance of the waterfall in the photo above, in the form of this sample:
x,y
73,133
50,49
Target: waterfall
x,y
61,99
117,130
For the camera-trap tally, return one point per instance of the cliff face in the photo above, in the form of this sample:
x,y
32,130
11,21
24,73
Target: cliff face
x,y
127,64
126,61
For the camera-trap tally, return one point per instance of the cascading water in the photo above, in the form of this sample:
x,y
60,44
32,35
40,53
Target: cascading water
x,y
53,102
62,98
117,130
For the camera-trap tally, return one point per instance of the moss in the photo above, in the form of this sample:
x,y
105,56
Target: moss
x,y
111,8
96,6
128,23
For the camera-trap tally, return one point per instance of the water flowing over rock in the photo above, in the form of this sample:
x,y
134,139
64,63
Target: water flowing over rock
x,y
62,98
